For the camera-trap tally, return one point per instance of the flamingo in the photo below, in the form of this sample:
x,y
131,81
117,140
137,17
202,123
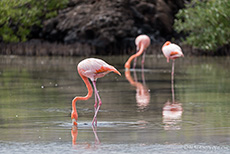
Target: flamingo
x,y
172,51
91,68
142,42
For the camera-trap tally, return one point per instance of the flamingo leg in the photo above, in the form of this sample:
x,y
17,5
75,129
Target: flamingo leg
x,y
95,105
143,77
134,63
143,61
97,141
99,104
172,80
135,75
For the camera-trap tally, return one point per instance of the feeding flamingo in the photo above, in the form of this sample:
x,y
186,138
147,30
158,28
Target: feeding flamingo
x,y
142,42
93,69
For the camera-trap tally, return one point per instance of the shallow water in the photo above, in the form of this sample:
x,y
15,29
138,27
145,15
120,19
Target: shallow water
x,y
137,112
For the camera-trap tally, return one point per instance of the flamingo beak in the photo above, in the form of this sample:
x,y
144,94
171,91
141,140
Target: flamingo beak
x,y
117,72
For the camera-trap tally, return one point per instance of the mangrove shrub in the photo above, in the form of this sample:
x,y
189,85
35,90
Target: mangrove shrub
x,y
206,23
17,17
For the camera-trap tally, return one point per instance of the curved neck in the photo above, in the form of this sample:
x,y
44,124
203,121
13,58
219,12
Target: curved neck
x,y
90,92
127,64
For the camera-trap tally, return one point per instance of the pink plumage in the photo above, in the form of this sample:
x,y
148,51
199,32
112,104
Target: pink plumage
x,y
171,51
142,39
94,68
91,68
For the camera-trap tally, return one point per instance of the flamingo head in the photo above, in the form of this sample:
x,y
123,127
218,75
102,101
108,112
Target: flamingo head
x,y
74,117
166,43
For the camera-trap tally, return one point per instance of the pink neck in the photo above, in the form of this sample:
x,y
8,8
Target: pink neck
x,y
90,92
127,64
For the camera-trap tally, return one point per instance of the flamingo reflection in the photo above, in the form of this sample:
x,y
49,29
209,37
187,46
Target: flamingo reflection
x,y
74,134
142,92
172,111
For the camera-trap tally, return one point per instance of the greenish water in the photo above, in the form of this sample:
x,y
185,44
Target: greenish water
x,y
36,94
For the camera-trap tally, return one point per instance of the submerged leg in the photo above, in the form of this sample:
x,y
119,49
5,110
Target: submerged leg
x,y
74,133
97,141
99,104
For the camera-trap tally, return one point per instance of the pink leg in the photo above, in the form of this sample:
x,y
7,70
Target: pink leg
x,y
95,105
143,61
98,107
134,63
172,81
97,141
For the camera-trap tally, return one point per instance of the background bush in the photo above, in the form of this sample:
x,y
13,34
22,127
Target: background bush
x,y
18,16
206,23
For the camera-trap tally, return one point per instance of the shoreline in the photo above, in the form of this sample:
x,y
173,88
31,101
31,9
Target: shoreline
x,y
40,48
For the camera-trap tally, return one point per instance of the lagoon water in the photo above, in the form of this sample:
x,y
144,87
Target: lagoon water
x,y
137,113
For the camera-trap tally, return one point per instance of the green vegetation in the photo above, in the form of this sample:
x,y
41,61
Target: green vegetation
x,y
207,23
18,16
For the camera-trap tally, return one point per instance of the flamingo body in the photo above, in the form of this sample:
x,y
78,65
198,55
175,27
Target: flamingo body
x,y
93,69
171,51
142,42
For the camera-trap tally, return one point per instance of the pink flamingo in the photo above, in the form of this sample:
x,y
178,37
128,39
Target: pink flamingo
x,y
172,51
142,42
91,68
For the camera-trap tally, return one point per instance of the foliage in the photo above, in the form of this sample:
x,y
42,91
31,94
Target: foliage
x,y
207,23
18,16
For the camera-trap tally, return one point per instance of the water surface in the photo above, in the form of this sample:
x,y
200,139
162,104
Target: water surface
x,y
136,114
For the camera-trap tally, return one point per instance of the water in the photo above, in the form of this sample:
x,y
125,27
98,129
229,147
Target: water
x,y
137,113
